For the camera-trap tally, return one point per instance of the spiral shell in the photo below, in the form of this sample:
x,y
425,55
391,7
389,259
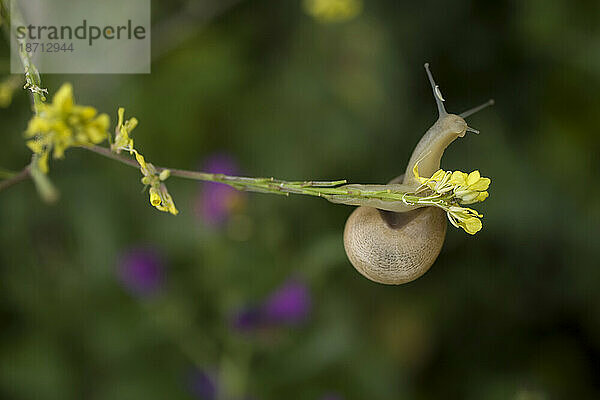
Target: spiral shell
x,y
394,248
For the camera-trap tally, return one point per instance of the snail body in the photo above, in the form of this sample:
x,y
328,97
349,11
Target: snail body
x,y
395,243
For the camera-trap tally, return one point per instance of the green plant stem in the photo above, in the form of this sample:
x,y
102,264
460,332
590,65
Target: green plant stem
x,y
42,183
19,177
6,174
31,73
330,190
335,191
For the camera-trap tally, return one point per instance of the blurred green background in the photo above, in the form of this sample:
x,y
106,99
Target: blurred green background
x,y
266,88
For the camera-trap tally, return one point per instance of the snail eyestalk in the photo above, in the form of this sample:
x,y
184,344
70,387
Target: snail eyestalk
x,y
476,109
437,94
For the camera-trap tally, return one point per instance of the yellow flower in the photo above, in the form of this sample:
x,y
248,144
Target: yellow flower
x,y
62,124
471,188
467,188
453,188
147,169
166,201
122,131
164,174
42,162
159,195
332,10
154,197
161,199
439,181
465,218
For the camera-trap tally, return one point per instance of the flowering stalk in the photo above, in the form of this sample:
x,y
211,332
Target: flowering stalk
x,y
337,191
32,76
62,124
450,190
33,83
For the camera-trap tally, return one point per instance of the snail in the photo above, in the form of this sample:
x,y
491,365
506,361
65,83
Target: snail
x,y
395,245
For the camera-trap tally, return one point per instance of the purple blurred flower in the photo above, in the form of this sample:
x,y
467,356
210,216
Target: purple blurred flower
x,y
141,271
289,304
203,385
218,201
248,319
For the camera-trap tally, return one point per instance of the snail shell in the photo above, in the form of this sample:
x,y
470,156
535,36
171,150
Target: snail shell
x,y
393,248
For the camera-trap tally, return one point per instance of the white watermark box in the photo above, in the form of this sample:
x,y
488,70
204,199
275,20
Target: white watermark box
x,y
83,36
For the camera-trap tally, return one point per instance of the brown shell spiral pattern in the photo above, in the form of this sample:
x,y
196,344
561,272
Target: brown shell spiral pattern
x,y
394,248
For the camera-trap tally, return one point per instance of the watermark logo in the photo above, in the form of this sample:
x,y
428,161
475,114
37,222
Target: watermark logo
x,y
84,36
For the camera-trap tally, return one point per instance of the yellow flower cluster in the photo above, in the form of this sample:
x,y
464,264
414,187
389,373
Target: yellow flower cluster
x,y
333,10
467,188
453,188
159,195
63,124
470,188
